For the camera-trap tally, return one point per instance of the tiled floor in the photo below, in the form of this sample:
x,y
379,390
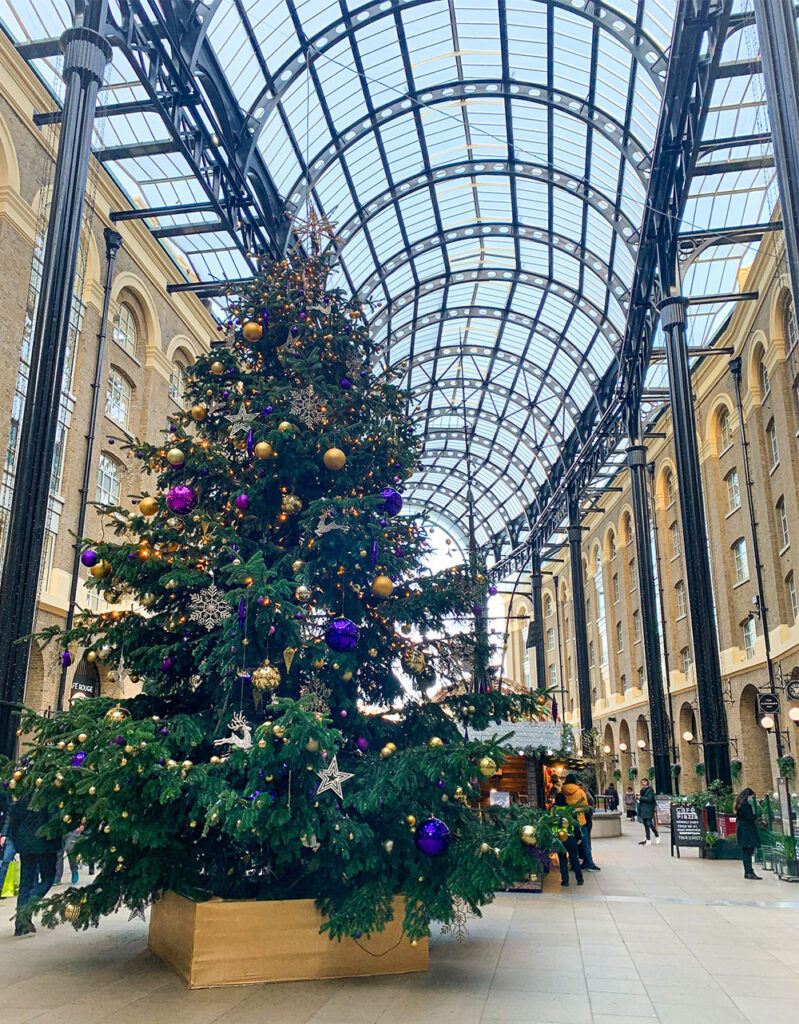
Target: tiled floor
x,y
650,938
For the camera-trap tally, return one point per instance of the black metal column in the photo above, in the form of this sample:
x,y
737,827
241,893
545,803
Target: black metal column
x,y
536,582
636,463
694,533
578,615
86,53
779,58
113,241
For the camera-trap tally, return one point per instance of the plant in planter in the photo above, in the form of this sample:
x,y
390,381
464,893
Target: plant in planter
x,y
675,770
617,774
285,631
632,774
699,770
787,767
735,769
650,772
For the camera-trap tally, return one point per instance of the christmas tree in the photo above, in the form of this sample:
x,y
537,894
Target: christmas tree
x,y
287,638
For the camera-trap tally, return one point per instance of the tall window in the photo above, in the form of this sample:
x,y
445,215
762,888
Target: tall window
x,y
612,544
637,625
783,517
616,594
771,431
741,561
588,609
550,639
591,656
177,383
765,383
789,326
124,330
641,679
553,676
679,590
791,584
633,575
547,605
623,685
118,399
668,487
733,490
674,533
685,654
109,482
725,430
619,638
748,627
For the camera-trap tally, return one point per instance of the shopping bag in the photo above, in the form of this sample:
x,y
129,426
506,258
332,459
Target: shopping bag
x,y
11,884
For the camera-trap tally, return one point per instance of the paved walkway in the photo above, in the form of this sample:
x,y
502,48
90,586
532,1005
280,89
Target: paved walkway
x,y
647,939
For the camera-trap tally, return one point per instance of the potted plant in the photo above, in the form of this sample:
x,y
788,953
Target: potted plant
x,y
632,774
735,769
699,770
787,766
711,845
650,772
675,770
617,774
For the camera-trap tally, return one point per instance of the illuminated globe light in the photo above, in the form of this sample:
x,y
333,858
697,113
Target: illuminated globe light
x,y
687,736
181,500
623,747
341,635
432,837
642,744
767,722
793,714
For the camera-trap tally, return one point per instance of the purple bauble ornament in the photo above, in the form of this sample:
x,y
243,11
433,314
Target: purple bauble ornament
x,y
295,331
89,558
341,635
167,663
65,659
242,502
432,837
345,384
363,743
78,759
181,500
250,445
477,609
492,590
392,501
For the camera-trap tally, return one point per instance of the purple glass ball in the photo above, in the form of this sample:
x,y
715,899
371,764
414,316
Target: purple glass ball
x,y
89,558
492,590
242,502
345,384
167,663
181,500
119,740
477,609
432,837
65,659
295,331
392,501
341,635
78,759
363,743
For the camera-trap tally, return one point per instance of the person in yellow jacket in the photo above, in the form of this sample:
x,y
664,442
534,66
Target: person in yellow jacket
x,y
575,794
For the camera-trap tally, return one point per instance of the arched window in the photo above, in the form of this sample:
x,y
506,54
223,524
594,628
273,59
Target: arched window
x,y
118,398
668,487
547,605
789,326
633,574
733,490
790,583
771,432
125,331
741,561
109,482
783,518
725,430
679,590
637,626
626,528
765,383
674,534
612,544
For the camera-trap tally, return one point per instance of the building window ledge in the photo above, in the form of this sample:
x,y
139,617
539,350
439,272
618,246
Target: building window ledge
x,y
733,511
775,467
729,448
740,583
784,549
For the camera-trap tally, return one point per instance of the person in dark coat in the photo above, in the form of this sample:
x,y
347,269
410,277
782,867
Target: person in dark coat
x,y
572,854
612,797
7,850
37,857
647,803
746,830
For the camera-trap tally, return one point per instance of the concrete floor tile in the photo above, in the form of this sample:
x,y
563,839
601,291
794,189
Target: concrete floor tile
x,y
537,1006
763,1009
621,1003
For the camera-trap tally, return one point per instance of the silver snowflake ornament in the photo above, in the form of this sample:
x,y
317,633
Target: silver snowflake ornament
x,y
305,406
332,778
209,607
319,696
460,915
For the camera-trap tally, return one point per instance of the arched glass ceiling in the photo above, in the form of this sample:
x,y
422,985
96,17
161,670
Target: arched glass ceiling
x,y
486,163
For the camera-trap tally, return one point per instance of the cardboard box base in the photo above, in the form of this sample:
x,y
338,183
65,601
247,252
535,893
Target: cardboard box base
x,y
245,942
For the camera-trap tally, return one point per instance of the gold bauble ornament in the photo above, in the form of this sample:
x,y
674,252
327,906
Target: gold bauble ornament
x,y
372,652
148,599
91,656
92,791
415,662
266,676
101,570
382,586
297,564
216,368
112,595
116,714
563,835
484,848
263,450
198,413
252,331
487,767
386,752
215,759
148,506
334,459
388,845
186,765
435,741
284,426
410,819
527,835
280,732
312,745
392,747
82,737
175,456
303,593
18,775
72,911
291,504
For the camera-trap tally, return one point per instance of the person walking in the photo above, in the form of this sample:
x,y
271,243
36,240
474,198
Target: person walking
x,y
575,794
629,804
37,860
746,831
7,851
68,850
612,797
572,854
647,804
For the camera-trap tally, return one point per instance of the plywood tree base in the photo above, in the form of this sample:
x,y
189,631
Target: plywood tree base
x,y
244,942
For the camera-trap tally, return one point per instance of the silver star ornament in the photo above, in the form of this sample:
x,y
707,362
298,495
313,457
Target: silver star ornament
x,y
332,778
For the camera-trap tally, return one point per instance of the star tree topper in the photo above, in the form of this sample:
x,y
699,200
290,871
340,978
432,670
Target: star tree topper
x,y
332,778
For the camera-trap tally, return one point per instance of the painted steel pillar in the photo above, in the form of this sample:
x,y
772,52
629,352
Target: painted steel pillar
x,y
779,58
636,463
575,535
712,712
536,583
86,54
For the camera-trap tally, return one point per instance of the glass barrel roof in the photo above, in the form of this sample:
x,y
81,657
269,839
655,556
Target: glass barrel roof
x,y
486,164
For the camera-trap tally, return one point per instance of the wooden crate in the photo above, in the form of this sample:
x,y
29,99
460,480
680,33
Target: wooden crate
x,y
244,942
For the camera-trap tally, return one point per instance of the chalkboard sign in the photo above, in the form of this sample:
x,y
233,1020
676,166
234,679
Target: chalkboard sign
x,y
687,827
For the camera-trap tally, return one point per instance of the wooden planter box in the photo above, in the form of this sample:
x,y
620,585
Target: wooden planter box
x,y
244,942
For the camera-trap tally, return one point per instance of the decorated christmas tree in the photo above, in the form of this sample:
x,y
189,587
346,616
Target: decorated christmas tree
x,y
276,610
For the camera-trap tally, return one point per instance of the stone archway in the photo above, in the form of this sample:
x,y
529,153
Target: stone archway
x,y
757,770
643,753
689,751
608,763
